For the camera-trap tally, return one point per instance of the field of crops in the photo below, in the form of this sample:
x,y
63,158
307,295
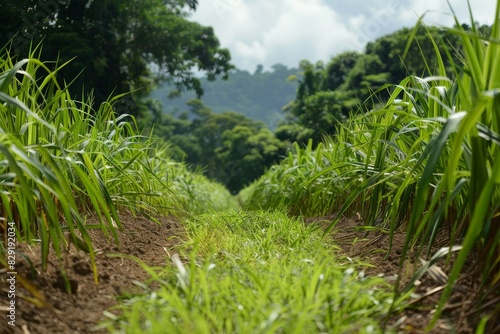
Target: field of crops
x,y
425,163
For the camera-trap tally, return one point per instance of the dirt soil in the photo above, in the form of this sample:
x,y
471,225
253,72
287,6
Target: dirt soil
x,y
461,314
83,309
153,244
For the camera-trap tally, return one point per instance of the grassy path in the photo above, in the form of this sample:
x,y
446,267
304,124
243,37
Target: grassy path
x,y
257,272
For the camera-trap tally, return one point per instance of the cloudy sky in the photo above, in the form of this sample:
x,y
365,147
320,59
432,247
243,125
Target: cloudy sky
x,y
285,31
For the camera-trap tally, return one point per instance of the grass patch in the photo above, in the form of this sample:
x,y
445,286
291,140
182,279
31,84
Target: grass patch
x,y
257,272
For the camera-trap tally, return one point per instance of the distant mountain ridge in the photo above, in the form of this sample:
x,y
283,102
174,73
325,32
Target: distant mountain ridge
x,y
260,96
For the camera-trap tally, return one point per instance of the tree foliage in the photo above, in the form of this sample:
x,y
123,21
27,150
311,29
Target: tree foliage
x,y
229,147
338,69
114,44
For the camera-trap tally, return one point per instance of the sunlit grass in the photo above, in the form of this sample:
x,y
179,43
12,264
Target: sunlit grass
x,y
257,272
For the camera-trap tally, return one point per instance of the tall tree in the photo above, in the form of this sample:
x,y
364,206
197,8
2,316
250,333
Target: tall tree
x,y
338,69
115,44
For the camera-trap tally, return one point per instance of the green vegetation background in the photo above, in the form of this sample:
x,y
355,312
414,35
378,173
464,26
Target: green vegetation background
x,y
406,132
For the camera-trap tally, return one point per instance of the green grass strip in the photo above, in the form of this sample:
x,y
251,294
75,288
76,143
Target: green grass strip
x,y
257,272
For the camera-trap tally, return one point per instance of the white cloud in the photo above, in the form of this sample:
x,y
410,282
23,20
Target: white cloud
x,y
286,31
255,52
309,30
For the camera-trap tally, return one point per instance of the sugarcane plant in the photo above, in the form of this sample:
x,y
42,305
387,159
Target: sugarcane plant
x,y
62,160
426,161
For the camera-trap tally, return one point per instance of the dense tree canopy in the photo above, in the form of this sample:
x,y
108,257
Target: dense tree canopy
x,y
115,44
230,147
338,69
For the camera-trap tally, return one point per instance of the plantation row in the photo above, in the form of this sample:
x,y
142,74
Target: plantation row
x,y
258,272
61,161
426,161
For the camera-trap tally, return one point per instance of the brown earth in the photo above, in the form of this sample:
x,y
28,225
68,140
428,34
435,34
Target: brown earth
x,y
83,309
461,313
153,244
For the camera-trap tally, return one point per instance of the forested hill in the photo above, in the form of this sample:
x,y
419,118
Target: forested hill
x,y
260,95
